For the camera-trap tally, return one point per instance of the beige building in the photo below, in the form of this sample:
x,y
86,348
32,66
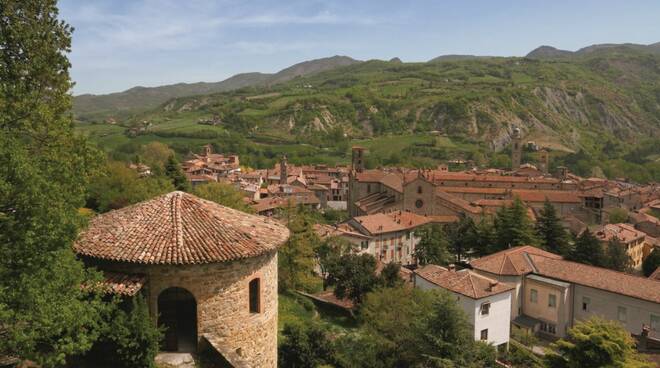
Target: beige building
x,y
633,240
208,272
553,294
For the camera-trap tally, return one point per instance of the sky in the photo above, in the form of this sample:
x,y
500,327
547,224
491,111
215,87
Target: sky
x,y
119,44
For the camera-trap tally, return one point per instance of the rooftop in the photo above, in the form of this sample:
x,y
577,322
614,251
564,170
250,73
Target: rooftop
x,y
511,262
464,282
178,228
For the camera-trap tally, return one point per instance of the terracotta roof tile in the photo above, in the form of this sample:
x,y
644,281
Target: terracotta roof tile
x,y
596,277
464,282
380,223
623,232
178,228
510,261
123,284
655,275
556,196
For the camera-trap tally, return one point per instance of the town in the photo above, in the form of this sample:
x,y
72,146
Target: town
x,y
218,184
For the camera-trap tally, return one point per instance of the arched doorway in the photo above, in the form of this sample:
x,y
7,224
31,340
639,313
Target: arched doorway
x,y
177,315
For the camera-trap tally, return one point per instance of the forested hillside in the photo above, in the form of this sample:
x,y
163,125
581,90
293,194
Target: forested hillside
x,y
596,106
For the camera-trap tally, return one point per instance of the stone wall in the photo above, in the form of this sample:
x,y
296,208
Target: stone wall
x,y
222,295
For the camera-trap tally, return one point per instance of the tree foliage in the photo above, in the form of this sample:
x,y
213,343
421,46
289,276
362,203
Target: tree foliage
x,y
433,245
513,226
328,253
296,256
596,343
224,194
651,263
407,327
116,186
353,276
44,169
550,232
304,346
175,173
588,250
616,256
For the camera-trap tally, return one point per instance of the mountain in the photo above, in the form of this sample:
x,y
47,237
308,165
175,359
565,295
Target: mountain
x,y
549,52
93,107
452,57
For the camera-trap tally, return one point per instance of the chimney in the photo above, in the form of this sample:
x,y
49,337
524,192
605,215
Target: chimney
x,y
491,285
283,170
451,267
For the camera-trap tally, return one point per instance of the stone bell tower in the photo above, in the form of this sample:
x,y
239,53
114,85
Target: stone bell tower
x,y
284,175
516,149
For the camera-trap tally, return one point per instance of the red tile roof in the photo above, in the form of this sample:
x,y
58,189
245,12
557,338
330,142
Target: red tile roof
x,y
625,233
179,228
596,277
655,275
123,284
555,196
510,262
464,282
380,223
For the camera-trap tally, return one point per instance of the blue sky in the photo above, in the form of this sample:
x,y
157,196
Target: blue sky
x,y
119,44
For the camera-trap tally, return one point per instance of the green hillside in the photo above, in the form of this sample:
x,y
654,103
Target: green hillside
x,y
600,106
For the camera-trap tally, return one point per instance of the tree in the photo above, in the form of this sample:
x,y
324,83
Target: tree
x,y
44,168
156,154
651,263
353,276
551,233
328,253
389,276
130,339
617,215
175,173
513,227
224,194
616,257
462,235
408,327
296,256
596,343
588,250
432,246
116,186
304,346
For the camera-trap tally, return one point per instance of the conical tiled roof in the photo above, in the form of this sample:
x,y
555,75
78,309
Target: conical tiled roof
x,y
179,228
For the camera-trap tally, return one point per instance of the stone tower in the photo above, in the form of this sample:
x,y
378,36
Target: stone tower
x,y
208,150
516,149
357,159
544,161
207,272
284,175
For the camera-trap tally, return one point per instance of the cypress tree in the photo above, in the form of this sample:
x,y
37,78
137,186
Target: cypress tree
x,y
551,233
175,173
588,250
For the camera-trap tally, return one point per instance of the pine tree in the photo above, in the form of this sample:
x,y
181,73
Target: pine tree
x,y
588,250
175,173
45,315
513,227
462,236
551,233
432,246
616,257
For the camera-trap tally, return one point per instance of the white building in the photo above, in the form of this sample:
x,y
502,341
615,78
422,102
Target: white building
x,y
485,301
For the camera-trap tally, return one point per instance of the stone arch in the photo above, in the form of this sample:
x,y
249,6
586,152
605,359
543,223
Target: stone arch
x,y
177,314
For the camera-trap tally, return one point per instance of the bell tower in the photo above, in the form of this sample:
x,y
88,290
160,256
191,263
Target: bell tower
x,y
284,175
357,159
516,149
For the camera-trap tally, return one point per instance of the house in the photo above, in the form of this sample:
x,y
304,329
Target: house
x,y
485,301
388,237
552,294
633,240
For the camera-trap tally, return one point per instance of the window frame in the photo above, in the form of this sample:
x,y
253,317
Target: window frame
x,y
552,297
586,301
484,307
620,309
533,296
481,335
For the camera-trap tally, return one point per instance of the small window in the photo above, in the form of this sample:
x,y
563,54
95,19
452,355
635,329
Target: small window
x,y
552,329
419,203
484,335
622,314
552,301
419,189
655,322
368,188
255,298
485,309
585,303
533,296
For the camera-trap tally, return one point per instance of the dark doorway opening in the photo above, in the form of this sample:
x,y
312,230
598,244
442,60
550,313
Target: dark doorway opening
x,y
177,315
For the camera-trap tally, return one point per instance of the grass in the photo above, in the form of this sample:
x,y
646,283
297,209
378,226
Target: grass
x,y
294,308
